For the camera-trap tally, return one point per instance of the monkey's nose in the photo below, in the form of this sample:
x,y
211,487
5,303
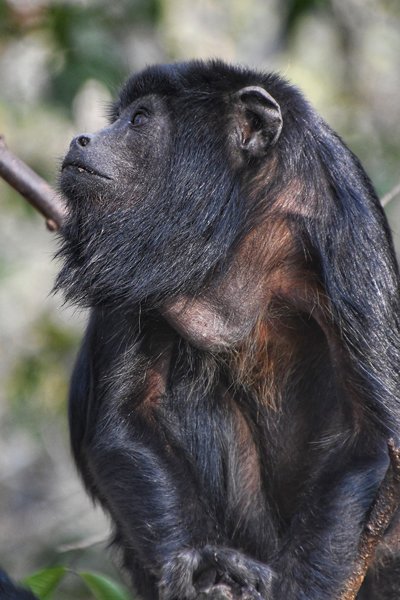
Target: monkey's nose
x,y
81,140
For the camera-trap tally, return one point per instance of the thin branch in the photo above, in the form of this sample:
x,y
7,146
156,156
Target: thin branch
x,y
387,198
32,187
383,510
89,542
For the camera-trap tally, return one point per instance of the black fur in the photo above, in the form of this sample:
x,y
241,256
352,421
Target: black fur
x,y
9,591
239,376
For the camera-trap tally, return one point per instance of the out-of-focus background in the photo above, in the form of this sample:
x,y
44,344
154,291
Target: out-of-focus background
x,y
60,63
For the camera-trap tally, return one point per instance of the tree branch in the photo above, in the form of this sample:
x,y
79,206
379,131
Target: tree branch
x,y
387,198
32,187
382,512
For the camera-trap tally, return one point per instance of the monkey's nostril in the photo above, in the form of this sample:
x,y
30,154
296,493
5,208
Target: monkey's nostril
x,y
83,140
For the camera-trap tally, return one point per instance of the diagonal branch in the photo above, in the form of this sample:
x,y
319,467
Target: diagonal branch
x,y
386,504
32,187
387,198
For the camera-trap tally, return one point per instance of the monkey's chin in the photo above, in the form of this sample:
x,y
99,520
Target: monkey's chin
x,y
88,275
82,287
78,185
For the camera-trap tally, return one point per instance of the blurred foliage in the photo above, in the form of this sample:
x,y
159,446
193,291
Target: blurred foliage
x,y
79,43
37,385
11,200
45,582
295,10
86,41
103,588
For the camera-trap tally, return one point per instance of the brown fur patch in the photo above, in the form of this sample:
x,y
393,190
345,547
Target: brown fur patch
x,y
286,289
281,282
244,484
158,348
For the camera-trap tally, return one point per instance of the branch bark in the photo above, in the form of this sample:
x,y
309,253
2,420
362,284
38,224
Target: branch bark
x,y
32,187
382,512
387,198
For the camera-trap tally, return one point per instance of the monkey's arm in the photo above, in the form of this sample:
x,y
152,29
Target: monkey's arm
x,y
121,456
132,463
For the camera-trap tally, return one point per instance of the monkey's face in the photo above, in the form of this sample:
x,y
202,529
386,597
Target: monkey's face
x,y
156,198
122,164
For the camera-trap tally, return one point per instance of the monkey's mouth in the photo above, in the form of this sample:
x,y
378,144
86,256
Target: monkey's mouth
x,y
82,168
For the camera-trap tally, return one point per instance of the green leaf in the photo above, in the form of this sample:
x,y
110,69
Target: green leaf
x,y
43,583
104,588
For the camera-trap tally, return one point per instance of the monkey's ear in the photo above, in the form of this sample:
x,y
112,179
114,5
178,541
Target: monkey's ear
x,y
258,120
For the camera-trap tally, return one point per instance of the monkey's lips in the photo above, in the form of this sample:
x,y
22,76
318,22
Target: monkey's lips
x,y
82,168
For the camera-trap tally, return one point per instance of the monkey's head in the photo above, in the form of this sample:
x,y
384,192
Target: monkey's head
x,y
160,197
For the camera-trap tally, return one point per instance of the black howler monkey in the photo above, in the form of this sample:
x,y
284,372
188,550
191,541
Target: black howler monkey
x,y
239,377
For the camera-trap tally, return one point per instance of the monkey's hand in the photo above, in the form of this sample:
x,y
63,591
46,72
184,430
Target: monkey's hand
x,y
216,573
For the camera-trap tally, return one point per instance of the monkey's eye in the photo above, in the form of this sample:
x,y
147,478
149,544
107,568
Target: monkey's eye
x,y
139,118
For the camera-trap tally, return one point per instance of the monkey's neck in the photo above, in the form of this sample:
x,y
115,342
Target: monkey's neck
x,y
278,349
